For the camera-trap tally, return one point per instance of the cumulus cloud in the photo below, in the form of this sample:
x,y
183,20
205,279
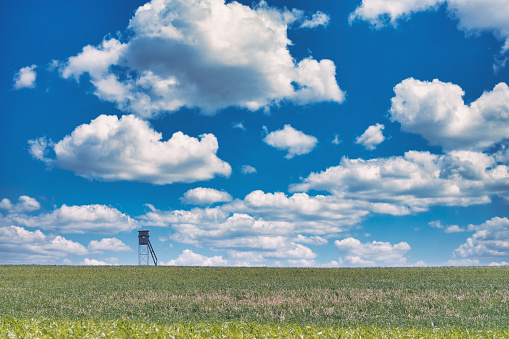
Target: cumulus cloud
x,y
205,54
372,137
379,12
208,226
189,258
5,204
291,140
415,181
436,111
454,229
247,169
94,262
336,140
275,250
317,215
282,228
205,196
25,77
491,239
95,61
108,244
239,125
371,254
272,246
435,224
276,214
447,229
113,149
310,240
318,19
266,227
276,228
75,219
21,246
473,16
479,15
461,262
25,204
38,149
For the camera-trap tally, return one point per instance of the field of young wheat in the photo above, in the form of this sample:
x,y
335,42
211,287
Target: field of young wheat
x,y
203,302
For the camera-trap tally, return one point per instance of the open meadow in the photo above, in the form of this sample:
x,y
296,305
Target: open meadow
x,y
166,302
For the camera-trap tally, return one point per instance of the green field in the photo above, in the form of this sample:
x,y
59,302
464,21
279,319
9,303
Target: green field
x,y
133,301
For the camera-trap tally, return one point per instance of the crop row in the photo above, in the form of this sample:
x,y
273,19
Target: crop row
x,y
473,297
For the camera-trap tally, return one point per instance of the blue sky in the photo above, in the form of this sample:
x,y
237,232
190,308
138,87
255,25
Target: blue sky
x,y
278,133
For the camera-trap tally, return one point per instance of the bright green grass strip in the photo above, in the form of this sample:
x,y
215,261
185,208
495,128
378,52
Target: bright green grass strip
x,y
49,328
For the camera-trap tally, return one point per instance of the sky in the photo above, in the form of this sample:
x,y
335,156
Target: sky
x,y
277,133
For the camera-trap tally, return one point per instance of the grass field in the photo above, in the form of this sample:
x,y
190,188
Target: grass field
x,y
132,301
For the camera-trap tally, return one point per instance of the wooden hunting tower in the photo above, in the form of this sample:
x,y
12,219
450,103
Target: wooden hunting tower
x,y
144,248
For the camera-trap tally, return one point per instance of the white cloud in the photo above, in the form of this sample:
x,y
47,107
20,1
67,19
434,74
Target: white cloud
x,y
209,225
267,249
413,182
291,140
302,263
461,262
281,228
94,262
17,234
5,204
378,12
272,246
108,244
205,196
39,149
207,215
491,239
371,254
239,125
115,149
25,204
318,19
205,54
336,140
435,224
317,215
265,227
317,82
189,258
76,219
25,77
503,263
481,15
21,246
454,229
247,169
268,226
94,60
436,111
447,229
310,240
372,137
473,15
60,243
